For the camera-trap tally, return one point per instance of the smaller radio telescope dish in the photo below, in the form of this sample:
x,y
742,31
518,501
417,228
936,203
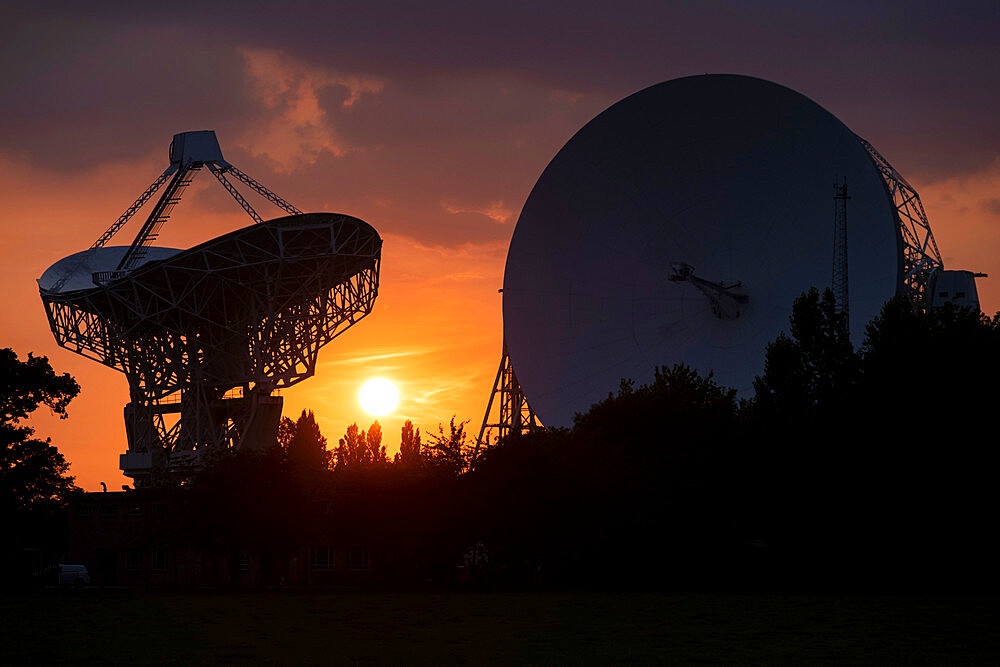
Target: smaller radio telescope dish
x,y
207,334
79,268
678,226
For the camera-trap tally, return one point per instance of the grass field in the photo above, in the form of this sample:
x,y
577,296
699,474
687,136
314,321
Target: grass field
x,y
94,626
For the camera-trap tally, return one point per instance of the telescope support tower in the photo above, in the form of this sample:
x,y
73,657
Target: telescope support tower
x,y
207,335
516,416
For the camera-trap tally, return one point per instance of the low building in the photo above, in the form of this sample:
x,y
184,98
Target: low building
x,y
139,538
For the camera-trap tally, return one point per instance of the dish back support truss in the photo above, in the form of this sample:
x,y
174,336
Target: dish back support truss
x,y
921,256
206,335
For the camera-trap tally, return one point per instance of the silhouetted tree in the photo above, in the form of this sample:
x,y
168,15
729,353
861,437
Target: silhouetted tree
x,y
449,451
927,451
32,471
26,385
306,450
352,447
359,449
816,366
376,450
286,431
645,475
869,465
373,436
409,454
956,346
34,479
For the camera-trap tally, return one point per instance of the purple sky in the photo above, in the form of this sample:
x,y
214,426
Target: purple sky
x,y
921,78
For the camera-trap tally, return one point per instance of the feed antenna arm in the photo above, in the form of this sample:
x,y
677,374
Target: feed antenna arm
x,y
194,150
261,190
160,214
118,224
231,189
728,300
172,196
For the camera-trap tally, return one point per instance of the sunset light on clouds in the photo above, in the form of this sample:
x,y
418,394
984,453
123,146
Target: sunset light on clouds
x,y
431,125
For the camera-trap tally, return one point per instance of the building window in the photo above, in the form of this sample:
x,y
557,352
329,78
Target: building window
x,y
959,295
160,559
943,295
84,510
109,510
133,560
134,510
243,561
357,559
321,558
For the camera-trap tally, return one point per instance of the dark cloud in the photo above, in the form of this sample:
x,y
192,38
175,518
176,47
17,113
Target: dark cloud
x,y
476,98
463,146
81,92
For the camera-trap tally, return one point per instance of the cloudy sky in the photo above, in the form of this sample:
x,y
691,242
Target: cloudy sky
x,y
432,121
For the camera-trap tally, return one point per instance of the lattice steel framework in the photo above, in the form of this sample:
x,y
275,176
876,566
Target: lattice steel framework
x,y
516,416
921,256
206,335
246,311
840,273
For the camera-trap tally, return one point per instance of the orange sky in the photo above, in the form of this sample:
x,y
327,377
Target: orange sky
x,y
435,330
436,142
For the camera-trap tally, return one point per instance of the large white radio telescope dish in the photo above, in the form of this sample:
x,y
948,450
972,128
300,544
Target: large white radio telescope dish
x,y
678,226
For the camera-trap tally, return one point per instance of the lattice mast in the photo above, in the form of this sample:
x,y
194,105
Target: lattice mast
x,y
840,272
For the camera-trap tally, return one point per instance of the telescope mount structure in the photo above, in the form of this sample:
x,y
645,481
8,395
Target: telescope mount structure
x,y
205,336
678,225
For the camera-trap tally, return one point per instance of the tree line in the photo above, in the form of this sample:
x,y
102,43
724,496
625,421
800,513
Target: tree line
x,y
306,449
867,467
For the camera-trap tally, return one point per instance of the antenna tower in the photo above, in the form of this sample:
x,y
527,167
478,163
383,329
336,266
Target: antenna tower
x,y
840,198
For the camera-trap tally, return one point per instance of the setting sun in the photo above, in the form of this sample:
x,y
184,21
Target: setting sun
x,y
378,397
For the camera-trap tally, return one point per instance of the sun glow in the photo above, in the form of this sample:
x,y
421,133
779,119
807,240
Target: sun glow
x,y
378,397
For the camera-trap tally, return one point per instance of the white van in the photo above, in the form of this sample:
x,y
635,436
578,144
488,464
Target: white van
x,y
73,575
